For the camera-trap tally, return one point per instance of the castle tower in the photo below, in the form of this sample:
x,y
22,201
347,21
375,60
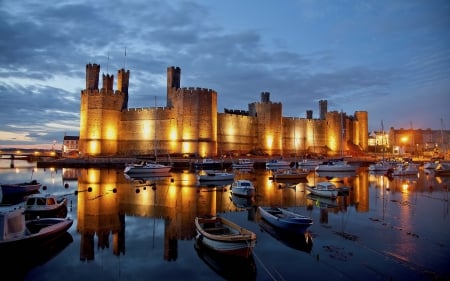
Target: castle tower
x,y
173,83
100,112
309,114
123,78
323,109
92,74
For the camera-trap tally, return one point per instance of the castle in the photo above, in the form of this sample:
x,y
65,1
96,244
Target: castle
x,y
189,124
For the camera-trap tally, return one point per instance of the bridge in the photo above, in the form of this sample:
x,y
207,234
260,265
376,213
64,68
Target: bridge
x,y
28,155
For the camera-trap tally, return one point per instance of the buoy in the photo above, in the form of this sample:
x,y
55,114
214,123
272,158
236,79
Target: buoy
x,y
66,185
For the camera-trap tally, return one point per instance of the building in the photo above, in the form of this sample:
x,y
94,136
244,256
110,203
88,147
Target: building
x,y
189,124
70,146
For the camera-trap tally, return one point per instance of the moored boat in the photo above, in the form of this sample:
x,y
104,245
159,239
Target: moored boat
x,y
224,236
45,206
209,163
290,174
18,189
285,219
215,176
443,169
16,233
324,189
277,163
144,167
243,163
243,188
336,166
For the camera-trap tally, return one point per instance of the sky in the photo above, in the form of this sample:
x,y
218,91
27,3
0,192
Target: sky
x,y
389,58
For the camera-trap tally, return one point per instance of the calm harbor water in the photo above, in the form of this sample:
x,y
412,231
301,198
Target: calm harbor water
x,y
128,229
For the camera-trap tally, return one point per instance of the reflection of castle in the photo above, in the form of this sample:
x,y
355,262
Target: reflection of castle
x,y
190,123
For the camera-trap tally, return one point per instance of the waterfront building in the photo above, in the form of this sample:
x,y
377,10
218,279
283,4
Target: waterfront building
x,y
190,125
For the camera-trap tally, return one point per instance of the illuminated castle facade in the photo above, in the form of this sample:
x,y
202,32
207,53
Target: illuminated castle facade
x,y
189,124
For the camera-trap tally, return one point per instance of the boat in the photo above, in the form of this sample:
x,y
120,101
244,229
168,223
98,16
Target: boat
x,y
45,206
224,236
297,241
243,163
145,167
405,169
332,176
215,176
16,233
290,174
228,267
309,163
241,202
208,163
285,219
380,166
431,165
443,169
323,189
20,189
336,166
277,163
243,187
322,202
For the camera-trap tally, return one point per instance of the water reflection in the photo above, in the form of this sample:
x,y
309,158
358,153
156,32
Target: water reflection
x,y
174,200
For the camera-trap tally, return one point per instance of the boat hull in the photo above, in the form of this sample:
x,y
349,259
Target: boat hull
x,y
323,192
285,219
224,236
20,189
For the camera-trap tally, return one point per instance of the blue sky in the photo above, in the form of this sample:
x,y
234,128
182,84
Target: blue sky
x,y
389,58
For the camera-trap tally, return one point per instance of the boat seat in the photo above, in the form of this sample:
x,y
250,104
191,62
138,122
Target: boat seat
x,y
217,230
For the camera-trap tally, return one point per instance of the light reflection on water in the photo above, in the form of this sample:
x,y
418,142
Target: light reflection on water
x,y
399,225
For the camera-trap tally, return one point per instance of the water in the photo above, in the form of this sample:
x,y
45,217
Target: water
x,y
385,229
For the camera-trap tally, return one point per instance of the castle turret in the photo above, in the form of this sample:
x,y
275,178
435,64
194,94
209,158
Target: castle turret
x,y
323,109
173,83
108,82
123,78
92,74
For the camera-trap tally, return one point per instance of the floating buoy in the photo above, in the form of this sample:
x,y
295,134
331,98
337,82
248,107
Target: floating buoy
x,y
44,187
66,185
138,190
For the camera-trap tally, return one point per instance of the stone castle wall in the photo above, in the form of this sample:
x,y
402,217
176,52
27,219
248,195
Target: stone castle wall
x,y
190,123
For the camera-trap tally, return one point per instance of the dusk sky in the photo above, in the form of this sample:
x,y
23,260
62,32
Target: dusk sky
x,y
389,58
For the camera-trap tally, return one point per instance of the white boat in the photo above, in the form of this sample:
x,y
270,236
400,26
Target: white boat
x,y
144,167
243,188
277,163
323,189
336,166
225,236
405,169
45,206
17,234
214,176
285,219
243,163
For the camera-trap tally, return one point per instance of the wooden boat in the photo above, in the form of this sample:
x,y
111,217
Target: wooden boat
x,y
228,267
144,167
45,206
297,241
243,188
242,202
323,189
285,219
18,189
215,176
290,174
277,163
16,233
243,163
322,202
224,236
